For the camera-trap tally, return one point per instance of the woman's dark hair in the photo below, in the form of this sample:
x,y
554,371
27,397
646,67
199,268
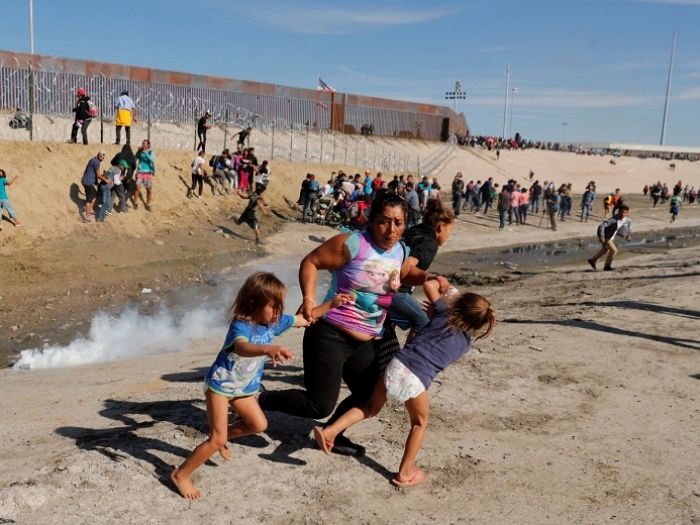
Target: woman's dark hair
x,y
435,214
258,290
387,200
2,174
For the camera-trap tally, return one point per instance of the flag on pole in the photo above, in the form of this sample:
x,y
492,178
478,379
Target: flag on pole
x,y
322,86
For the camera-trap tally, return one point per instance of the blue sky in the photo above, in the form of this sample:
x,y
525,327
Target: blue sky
x,y
599,66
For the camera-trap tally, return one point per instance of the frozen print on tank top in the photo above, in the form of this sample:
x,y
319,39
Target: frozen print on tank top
x,y
371,277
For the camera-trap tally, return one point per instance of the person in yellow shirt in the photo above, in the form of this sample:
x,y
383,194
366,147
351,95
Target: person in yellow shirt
x,y
125,115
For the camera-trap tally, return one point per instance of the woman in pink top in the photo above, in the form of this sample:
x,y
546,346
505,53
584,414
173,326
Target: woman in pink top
x,y
523,204
513,205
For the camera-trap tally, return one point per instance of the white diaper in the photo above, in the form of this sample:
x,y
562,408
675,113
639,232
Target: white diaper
x,y
401,384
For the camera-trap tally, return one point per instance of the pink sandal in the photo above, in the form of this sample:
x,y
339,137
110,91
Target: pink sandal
x,y
419,477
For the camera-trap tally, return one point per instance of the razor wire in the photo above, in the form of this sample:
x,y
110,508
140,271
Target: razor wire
x,y
292,128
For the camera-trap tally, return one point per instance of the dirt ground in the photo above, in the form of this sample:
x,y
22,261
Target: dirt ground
x,y
582,407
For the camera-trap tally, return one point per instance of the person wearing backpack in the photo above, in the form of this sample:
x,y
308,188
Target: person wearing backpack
x,y
310,197
221,164
675,204
84,113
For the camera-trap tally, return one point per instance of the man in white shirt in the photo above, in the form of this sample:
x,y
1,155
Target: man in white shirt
x,y
607,231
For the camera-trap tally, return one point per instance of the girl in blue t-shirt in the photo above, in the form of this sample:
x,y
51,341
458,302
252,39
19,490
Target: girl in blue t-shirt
x,y
440,343
234,378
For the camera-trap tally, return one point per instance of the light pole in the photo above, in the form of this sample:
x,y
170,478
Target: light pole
x,y
513,92
31,26
505,104
455,95
563,131
668,92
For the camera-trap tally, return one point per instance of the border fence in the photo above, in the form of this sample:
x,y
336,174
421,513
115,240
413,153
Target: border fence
x,y
41,85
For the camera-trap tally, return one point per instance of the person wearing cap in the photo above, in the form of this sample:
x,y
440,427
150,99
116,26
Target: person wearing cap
x,y
125,114
109,182
90,177
202,128
116,175
82,116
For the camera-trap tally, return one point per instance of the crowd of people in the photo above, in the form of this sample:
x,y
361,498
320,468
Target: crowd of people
x,y
345,200
514,201
678,197
130,176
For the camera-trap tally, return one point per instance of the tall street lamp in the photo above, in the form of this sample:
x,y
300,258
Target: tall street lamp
x,y
455,95
31,26
513,92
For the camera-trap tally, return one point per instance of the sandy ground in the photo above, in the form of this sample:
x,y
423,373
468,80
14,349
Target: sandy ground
x,y
582,407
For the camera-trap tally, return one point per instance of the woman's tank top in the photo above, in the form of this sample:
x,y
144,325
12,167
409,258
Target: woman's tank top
x,y
372,277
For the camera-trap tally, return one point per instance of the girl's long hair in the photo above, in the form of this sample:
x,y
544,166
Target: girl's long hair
x,y
257,291
435,213
473,314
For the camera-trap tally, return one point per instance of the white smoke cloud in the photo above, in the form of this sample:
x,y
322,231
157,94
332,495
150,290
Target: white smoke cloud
x,y
131,334
128,334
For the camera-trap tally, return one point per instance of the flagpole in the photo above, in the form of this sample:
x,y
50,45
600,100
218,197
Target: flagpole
x,y
668,91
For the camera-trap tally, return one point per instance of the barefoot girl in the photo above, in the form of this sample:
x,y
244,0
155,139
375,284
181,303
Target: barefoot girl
x,y
234,378
445,339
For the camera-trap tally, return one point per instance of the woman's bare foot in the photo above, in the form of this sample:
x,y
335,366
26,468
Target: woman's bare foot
x,y
184,485
225,453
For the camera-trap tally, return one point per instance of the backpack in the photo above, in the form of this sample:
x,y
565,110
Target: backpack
x,y
212,161
92,109
313,187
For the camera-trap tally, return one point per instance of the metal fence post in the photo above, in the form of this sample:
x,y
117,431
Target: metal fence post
x,y
225,127
148,132
31,102
102,110
333,146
